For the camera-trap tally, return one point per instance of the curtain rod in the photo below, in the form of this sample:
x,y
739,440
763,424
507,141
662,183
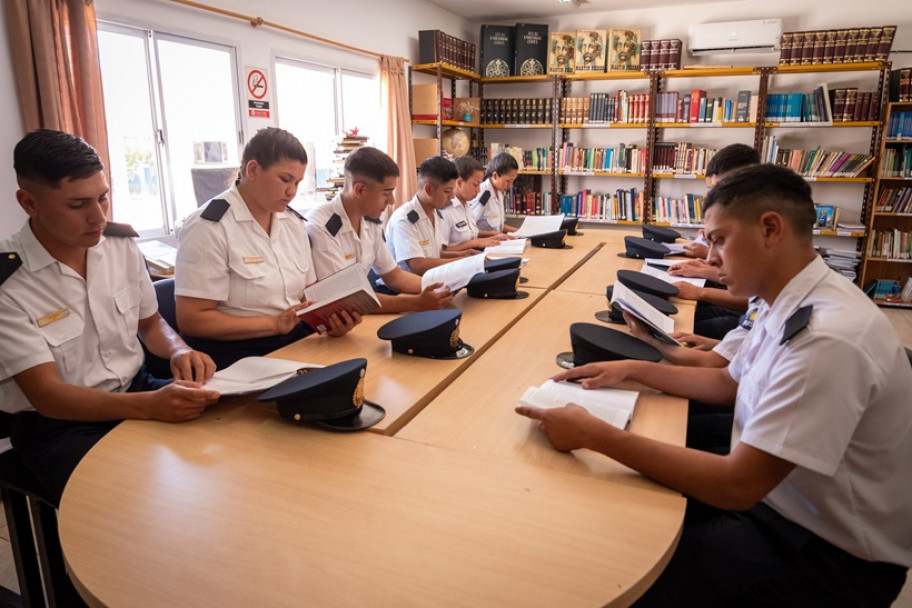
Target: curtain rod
x,y
259,21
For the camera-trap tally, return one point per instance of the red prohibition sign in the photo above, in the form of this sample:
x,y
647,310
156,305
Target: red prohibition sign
x,y
256,84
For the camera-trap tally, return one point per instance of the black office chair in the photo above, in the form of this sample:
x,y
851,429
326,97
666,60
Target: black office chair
x,y
164,292
909,354
31,518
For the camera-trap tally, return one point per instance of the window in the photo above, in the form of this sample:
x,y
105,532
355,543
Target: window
x,y
318,104
173,124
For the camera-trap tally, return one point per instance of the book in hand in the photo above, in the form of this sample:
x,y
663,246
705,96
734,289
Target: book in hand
x,y
455,274
252,374
658,324
657,269
508,248
346,290
539,224
614,406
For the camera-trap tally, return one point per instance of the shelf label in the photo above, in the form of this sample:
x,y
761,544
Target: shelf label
x,y
705,124
684,176
810,178
843,233
516,126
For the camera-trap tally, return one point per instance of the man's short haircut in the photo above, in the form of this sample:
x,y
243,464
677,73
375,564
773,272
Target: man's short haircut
x,y
370,164
748,193
467,166
501,164
48,157
271,146
437,170
731,157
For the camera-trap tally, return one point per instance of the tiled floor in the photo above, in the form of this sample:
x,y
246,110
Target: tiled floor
x,y
901,319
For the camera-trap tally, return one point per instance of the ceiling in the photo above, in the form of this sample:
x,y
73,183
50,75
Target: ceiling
x,y
500,10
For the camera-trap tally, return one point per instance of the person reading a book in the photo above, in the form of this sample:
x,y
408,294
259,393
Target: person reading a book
x,y
460,230
76,307
244,259
347,231
807,508
489,209
415,232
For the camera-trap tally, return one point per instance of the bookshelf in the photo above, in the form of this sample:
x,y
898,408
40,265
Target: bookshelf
x,y
652,133
885,257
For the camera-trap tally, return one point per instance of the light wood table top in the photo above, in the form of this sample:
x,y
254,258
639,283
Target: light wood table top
x,y
548,267
600,270
241,508
475,413
403,384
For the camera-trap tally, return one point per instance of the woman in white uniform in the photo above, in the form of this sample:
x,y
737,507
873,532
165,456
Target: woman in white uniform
x,y
243,259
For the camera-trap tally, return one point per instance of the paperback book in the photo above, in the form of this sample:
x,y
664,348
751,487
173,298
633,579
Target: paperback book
x,y
614,406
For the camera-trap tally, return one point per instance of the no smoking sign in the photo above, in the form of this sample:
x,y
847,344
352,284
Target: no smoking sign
x,y
257,91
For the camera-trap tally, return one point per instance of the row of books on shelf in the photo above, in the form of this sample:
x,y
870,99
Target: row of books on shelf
x,y
847,45
661,54
532,111
815,163
843,261
901,85
894,200
894,244
529,202
606,108
896,162
436,46
528,159
900,126
681,158
620,159
697,107
624,205
687,209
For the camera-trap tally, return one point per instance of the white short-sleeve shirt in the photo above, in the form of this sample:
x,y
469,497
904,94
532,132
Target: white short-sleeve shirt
x,y
732,340
333,252
234,262
410,233
459,223
491,215
88,327
835,400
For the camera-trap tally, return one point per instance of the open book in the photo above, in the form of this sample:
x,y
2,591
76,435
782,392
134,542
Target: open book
x,y
347,289
539,224
655,268
658,324
252,374
614,406
160,256
455,274
509,248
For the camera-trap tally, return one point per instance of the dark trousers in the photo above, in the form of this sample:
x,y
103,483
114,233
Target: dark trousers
x,y
714,321
759,558
226,352
709,427
52,448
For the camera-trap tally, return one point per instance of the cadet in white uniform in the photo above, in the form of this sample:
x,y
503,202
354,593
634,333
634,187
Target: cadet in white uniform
x,y
75,300
347,231
415,232
459,221
811,507
243,259
490,212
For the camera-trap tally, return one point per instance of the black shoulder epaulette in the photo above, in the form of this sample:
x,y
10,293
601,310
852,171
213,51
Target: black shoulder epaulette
x,y
9,263
373,220
412,216
483,200
439,213
116,229
333,224
215,210
295,212
798,321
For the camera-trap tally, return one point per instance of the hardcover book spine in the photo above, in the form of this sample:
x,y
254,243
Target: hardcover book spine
x,y
885,43
785,48
531,49
839,50
829,46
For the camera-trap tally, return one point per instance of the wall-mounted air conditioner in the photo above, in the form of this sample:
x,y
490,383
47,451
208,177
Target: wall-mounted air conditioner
x,y
758,36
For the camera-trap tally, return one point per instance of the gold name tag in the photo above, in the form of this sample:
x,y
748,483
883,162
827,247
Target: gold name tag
x,y
423,243
349,256
53,316
253,259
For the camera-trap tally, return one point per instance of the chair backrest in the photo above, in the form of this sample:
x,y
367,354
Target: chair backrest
x,y
909,354
164,292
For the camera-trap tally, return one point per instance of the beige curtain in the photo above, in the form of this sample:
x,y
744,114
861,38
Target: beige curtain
x,y
394,95
54,48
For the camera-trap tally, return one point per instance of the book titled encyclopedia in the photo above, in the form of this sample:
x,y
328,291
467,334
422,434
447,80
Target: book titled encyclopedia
x,y
531,49
496,51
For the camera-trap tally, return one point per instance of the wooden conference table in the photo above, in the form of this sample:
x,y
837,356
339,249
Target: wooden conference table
x,y
465,504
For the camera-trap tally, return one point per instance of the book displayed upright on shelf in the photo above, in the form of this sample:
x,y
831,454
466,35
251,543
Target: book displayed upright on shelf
x,y
614,406
661,54
849,45
624,50
497,51
437,46
901,85
561,52
347,290
591,50
530,49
